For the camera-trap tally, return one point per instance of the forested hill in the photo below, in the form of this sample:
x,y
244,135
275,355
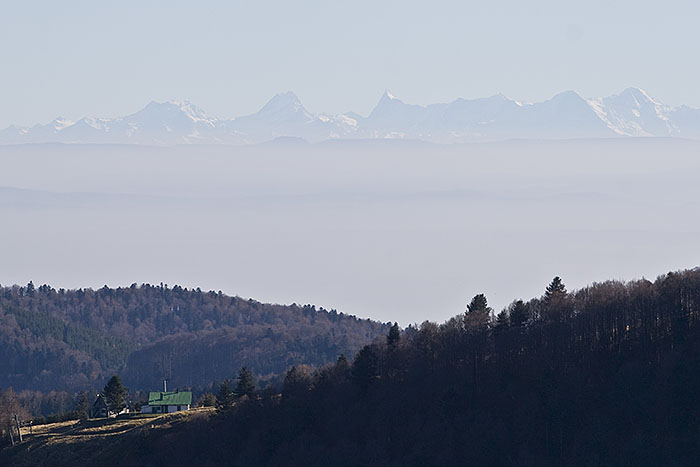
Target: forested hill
x,y
73,339
607,375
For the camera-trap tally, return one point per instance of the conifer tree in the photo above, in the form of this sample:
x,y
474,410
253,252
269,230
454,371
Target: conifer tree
x,y
30,289
246,383
225,396
555,300
478,313
519,314
502,322
115,394
478,303
365,368
342,368
208,400
555,288
392,339
82,405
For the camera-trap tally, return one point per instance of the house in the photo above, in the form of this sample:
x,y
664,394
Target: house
x,y
167,402
100,409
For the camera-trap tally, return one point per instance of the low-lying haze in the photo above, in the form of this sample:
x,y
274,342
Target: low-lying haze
x,y
397,230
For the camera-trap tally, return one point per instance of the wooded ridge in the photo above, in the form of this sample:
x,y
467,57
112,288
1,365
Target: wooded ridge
x,y
75,339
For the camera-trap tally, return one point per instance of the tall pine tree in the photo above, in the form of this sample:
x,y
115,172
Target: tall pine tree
x,y
557,306
246,383
225,396
555,289
82,406
502,322
365,368
478,313
115,394
392,339
519,314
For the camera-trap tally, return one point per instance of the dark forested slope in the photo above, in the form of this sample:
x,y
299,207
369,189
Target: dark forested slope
x,y
607,375
72,339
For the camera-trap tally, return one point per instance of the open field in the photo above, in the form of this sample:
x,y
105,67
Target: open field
x,y
92,442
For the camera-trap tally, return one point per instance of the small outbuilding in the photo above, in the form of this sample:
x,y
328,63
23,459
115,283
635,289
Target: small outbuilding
x,y
167,402
99,408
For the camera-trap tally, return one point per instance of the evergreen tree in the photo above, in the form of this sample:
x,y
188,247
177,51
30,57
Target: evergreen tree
x,y
365,368
392,339
342,368
502,322
207,400
478,303
556,301
225,396
246,383
82,406
519,314
478,313
554,289
115,394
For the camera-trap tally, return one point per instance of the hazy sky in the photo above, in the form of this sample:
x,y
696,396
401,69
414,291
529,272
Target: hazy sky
x,y
77,58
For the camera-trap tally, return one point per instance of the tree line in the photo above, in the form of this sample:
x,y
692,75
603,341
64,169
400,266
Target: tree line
x,y
605,375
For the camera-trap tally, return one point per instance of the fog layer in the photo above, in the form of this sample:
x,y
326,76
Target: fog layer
x,y
396,231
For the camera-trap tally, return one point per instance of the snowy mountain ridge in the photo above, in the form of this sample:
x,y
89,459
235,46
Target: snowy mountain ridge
x,y
567,115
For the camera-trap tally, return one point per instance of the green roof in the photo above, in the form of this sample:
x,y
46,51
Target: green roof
x,y
170,398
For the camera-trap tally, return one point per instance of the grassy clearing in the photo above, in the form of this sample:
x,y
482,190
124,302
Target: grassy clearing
x,y
90,442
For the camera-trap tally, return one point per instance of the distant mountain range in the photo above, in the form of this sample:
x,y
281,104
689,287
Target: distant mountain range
x,y
567,115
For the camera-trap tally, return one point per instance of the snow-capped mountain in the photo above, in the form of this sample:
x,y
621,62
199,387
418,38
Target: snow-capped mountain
x,y
284,115
158,123
567,115
392,114
48,132
634,113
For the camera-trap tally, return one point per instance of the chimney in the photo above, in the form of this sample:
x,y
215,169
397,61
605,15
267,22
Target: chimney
x,y
165,385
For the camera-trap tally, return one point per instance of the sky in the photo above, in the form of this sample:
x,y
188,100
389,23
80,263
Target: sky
x,y
86,58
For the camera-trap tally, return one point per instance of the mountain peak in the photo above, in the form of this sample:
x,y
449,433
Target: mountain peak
x,y
568,96
388,98
639,95
388,95
171,107
280,116
281,101
390,108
